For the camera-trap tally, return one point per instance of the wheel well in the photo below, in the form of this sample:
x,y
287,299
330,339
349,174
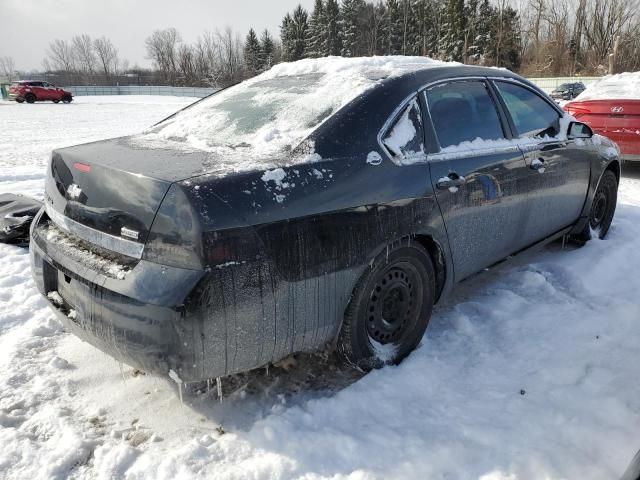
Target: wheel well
x,y
437,257
614,166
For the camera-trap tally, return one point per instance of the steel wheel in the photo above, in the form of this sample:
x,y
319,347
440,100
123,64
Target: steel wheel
x,y
389,309
393,303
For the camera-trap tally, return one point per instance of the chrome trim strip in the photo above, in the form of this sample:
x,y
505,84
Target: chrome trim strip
x,y
101,239
472,152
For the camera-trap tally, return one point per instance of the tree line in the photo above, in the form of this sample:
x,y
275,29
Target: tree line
x,y
532,37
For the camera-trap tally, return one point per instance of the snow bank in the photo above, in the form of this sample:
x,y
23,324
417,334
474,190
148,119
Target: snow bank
x,y
623,86
276,110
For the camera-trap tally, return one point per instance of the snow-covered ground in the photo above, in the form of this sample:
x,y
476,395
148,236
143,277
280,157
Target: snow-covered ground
x,y
529,372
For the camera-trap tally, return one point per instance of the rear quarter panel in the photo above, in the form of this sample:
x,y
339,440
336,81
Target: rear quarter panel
x,y
283,258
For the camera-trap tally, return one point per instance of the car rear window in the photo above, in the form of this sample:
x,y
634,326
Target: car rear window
x,y
271,114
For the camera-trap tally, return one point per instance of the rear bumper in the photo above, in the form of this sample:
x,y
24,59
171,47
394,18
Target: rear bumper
x,y
138,319
630,157
14,96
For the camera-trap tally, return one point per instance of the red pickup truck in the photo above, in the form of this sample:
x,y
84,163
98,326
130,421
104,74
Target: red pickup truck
x,y
31,91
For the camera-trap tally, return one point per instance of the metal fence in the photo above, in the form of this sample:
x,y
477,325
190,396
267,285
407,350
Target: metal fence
x,y
142,90
548,84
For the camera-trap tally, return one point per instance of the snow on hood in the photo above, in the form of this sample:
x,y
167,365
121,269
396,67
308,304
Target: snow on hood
x,y
275,111
623,86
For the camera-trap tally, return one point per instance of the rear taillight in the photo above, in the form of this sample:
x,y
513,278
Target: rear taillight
x,y
576,111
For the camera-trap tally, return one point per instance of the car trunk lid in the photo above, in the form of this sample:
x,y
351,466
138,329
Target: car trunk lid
x,y
618,120
108,192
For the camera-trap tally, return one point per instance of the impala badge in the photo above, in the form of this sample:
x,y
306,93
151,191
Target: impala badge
x,y
127,232
74,191
617,109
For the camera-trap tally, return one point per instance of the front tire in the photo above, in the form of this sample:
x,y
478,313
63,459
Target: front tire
x,y
30,98
20,100
67,99
603,207
390,308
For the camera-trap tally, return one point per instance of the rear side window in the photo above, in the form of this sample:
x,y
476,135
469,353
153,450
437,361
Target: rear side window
x,y
532,116
405,138
463,112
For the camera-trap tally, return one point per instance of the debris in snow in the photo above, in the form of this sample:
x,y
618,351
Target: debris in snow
x,y
59,363
137,438
522,392
317,173
286,363
374,158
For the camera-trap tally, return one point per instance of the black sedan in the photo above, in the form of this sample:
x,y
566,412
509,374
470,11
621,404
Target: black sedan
x,y
567,91
325,203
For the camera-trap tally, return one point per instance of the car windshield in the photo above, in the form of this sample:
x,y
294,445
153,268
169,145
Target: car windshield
x,y
564,86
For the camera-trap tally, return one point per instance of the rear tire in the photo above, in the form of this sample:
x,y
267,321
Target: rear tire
x,y
389,309
603,207
20,100
56,101
30,98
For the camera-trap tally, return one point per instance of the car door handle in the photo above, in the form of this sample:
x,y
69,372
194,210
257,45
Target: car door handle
x,y
537,164
453,180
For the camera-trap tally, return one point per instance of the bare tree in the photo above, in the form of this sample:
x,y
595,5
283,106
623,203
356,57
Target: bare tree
x,y
162,49
230,56
84,53
187,64
60,54
604,20
7,68
107,56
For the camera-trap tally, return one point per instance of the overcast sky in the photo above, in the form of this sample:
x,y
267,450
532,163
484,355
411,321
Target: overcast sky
x,y
27,26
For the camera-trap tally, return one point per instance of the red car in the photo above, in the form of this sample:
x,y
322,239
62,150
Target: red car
x,y
30,92
611,108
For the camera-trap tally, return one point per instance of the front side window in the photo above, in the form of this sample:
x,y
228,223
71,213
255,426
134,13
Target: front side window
x,y
463,112
533,117
405,138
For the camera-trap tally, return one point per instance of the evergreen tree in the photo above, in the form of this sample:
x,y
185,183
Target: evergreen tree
x,y
484,26
394,28
286,37
453,41
351,27
317,31
299,32
332,42
252,54
506,39
267,50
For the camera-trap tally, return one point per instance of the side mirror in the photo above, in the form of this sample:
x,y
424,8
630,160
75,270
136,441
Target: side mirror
x,y
579,130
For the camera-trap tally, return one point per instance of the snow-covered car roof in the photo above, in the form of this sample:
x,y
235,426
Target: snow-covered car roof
x,y
273,112
623,86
